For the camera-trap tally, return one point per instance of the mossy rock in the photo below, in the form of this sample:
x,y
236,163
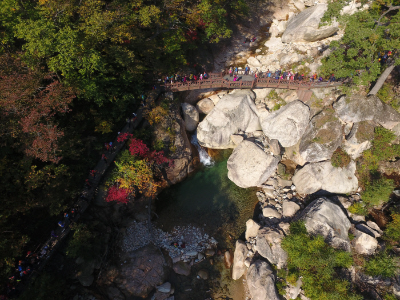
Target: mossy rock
x,y
322,137
365,131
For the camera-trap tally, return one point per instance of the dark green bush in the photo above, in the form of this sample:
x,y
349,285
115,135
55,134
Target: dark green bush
x,y
333,11
378,191
84,242
392,232
358,208
316,262
381,265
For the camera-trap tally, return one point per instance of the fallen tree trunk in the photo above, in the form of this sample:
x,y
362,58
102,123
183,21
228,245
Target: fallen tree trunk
x,y
381,80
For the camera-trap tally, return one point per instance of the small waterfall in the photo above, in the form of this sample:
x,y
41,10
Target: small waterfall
x,y
205,159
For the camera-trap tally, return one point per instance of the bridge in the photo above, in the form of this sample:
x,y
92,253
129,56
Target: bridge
x,y
223,81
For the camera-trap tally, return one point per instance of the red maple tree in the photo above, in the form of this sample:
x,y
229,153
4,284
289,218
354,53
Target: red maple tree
x,y
138,148
119,195
124,136
29,103
159,159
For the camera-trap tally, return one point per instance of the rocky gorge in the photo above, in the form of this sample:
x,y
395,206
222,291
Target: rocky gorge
x,y
284,149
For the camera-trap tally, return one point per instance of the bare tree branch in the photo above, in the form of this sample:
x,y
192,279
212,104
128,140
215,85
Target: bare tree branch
x,y
390,9
381,80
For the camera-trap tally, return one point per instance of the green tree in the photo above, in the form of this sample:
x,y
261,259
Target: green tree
x,y
368,34
316,262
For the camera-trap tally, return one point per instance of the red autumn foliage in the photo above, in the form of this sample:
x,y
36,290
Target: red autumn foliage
x,y
191,35
124,136
29,103
138,148
119,195
201,24
159,159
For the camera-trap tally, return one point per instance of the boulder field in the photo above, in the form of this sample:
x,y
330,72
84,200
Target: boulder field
x,y
261,249
261,137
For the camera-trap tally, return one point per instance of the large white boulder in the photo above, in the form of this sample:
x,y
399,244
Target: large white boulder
x,y
268,245
304,27
234,112
251,229
323,176
359,108
326,218
289,208
364,243
359,139
261,281
239,257
274,44
253,62
250,166
190,115
205,106
287,124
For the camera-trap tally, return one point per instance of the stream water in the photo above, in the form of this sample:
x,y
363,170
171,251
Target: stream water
x,y
208,199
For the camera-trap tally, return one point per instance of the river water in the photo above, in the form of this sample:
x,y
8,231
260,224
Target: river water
x,y
208,199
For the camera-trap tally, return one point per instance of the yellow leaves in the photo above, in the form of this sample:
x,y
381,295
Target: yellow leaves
x,y
104,127
42,2
156,115
373,38
137,175
149,14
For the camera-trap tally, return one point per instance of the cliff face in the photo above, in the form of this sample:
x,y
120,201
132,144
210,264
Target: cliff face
x,y
170,133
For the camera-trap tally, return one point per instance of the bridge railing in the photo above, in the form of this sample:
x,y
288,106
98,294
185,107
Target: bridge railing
x,y
219,82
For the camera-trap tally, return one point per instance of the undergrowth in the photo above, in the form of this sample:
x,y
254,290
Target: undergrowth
x,y
317,262
340,158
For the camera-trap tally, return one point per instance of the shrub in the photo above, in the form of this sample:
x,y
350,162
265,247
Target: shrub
x,y
158,145
358,208
381,150
83,242
156,115
340,158
389,297
378,191
392,232
386,93
381,144
381,265
316,262
333,11
292,278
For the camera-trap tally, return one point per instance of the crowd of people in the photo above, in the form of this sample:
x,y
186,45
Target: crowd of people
x,y
235,73
185,78
29,263
278,74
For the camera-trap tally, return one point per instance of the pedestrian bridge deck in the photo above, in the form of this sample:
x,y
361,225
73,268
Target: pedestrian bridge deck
x,y
219,82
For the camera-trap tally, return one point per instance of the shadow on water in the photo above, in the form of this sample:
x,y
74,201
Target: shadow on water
x,y
209,200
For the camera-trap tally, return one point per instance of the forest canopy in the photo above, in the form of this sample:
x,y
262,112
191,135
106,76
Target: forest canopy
x,y
70,72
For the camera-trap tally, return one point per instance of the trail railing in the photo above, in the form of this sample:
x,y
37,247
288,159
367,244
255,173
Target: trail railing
x,y
222,83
